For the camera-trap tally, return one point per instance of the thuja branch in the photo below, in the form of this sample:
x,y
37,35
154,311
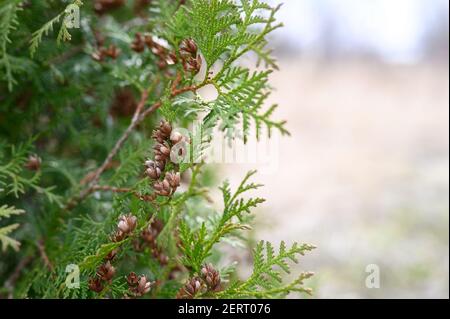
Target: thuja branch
x,y
138,117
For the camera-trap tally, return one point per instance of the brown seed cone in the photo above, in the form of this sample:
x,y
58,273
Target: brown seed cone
x,y
112,51
211,277
163,132
106,271
141,286
112,254
190,289
138,44
193,65
176,137
33,163
162,188
95,284
188,49
153,169
132,279
173,179
162,149
127,223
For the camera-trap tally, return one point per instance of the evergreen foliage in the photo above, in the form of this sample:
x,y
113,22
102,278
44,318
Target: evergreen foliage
x,y
77,112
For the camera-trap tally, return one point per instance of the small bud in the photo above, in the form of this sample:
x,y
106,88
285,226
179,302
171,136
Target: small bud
x,y
161,188
165,128
149,235
176,137
118,236
153,170
143,285
112,51
173,179
139,286
162,64
132,279
112,254
172,59
193,65
162,132
211,277
138,44
33,163
106,271
95,284
188,49
127,223
190,289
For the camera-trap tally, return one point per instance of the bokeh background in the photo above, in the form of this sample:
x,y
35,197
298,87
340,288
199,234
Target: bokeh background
x,y
365,174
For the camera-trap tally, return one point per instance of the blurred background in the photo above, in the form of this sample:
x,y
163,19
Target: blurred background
x,y
365,174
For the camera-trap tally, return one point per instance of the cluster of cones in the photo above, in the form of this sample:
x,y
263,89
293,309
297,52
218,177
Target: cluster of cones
x,y
166,139
208,281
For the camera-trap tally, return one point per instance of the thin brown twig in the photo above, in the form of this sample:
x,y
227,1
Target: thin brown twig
x,y
138,117
11,281
41,248
94,179
111,189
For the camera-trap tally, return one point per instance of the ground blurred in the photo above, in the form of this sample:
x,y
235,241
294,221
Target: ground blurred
x,y
364,175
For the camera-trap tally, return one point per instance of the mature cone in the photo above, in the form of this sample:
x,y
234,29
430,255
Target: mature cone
x,y
33,163
173,179
153,169
188,49
162,188
118,236
190,289
127,223
149,234
112,51
138,44
132,279
139,286
193,65
106,271
176,137
211,277
162,151
112,254
95,284
162,133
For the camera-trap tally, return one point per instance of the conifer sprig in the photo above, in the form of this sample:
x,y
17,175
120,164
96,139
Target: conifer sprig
x,y
136,222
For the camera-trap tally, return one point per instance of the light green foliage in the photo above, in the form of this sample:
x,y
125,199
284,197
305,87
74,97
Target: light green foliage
x,y
6,212
63,34
266,280
224,32
8,22
13,179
